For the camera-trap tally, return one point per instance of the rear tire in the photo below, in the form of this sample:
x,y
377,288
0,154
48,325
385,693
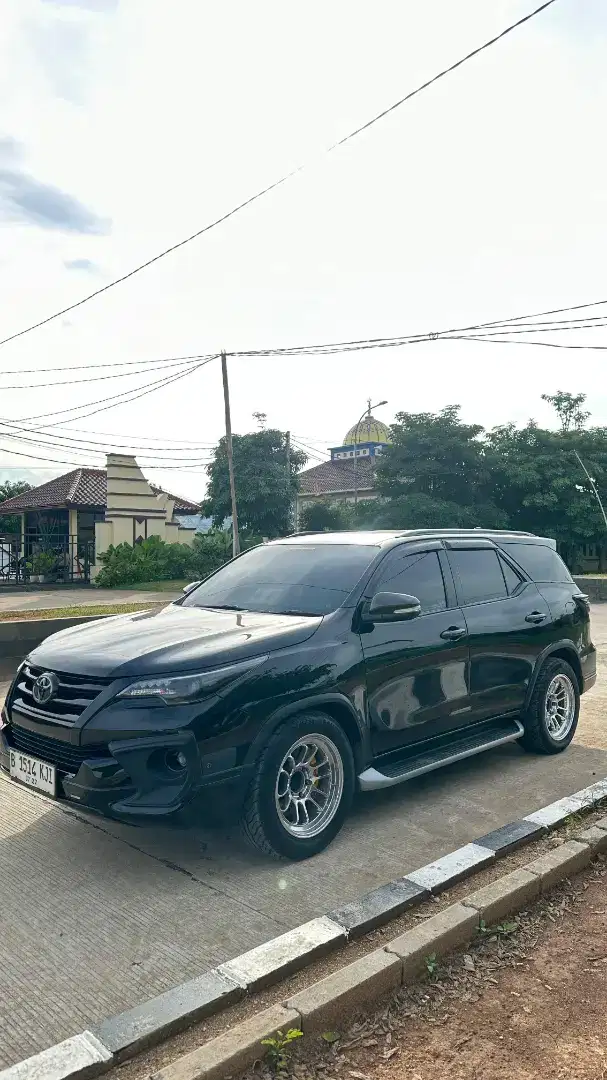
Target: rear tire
x,y
302,789
552,716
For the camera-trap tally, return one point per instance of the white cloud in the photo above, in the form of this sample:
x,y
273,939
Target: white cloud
x,y
481,198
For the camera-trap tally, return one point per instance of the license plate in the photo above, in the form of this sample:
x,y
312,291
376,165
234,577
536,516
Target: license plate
x,y
36,774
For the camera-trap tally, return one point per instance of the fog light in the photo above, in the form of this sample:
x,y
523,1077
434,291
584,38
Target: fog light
x,y
175,761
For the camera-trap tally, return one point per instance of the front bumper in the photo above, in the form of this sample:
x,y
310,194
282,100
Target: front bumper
x,y
135,780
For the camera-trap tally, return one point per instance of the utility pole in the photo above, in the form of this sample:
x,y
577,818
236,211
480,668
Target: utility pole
x,y
226,402
288,455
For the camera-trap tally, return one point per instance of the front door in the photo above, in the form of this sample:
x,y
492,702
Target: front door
x,y
417,671
508,622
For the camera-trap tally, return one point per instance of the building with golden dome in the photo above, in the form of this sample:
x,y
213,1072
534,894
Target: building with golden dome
x,y
350,473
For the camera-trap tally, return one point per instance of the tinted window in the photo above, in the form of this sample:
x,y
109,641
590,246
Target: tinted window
x,y
512,578
479,573
418,574
307,579
539,561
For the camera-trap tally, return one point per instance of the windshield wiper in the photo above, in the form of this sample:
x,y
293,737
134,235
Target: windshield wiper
x,y
222,607
298,611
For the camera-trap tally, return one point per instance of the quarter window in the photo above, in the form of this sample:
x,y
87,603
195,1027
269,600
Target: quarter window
x,y
418,574
479,574
512,579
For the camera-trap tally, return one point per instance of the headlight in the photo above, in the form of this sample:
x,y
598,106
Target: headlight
x,y
182,688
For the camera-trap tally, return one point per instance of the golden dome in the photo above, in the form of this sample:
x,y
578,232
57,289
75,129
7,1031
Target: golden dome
x,y
368,430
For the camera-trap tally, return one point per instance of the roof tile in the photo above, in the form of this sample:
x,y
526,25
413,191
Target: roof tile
x,y
80,487
335,476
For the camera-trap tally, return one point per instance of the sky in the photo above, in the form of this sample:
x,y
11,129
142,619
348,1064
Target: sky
x,y
126,125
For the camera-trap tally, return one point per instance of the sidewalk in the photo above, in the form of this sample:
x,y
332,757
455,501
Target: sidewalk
x,y
40,599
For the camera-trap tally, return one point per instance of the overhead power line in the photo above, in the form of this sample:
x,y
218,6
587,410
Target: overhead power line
x,y
94,378
113,363
277,183
510,341
63,439
148,388
78,448
83,465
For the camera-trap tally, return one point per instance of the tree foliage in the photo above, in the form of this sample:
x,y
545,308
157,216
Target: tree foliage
x,y
442,473
266,486
324,516
9,489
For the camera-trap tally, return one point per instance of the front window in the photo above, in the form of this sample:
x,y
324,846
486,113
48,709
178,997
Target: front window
x,y
286,579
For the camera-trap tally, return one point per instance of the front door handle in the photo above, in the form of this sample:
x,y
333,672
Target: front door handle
x,y
536,616
454,633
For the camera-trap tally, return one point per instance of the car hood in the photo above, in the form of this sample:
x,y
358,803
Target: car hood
x,y
174,639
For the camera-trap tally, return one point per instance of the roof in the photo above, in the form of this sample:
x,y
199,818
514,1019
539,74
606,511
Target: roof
x,y
368,430
80,487
382,536
333,477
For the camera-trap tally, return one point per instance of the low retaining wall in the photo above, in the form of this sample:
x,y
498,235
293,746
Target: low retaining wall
x,y
595,587
18,638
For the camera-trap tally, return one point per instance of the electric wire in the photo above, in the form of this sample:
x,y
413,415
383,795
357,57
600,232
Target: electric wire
x,y
277,183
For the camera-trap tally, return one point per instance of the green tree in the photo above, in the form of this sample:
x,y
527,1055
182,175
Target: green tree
x,y
542,488
568,409
9,489
437,472
266,485
325,516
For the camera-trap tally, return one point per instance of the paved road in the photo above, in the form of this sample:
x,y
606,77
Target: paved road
x,y
37,600
97,917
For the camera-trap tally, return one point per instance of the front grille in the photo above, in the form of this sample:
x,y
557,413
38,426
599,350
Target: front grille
x,y
66,757
74,695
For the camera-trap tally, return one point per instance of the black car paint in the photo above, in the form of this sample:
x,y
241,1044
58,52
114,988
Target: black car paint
x,y
390,685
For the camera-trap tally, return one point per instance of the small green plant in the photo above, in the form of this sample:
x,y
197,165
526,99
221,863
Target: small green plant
x,y
278,1048
431,965
503,929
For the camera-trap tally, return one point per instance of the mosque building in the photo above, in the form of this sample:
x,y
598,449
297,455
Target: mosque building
x,y
350,472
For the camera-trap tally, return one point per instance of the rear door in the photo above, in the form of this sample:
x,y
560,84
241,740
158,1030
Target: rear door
x,y
508,621
417,670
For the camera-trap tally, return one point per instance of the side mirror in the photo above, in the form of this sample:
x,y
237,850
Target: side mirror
x,y
189,588
393,607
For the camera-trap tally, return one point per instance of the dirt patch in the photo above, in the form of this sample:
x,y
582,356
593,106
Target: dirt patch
x,y
524,1002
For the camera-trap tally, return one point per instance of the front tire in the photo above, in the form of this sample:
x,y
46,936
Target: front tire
x,y
552,716
302,789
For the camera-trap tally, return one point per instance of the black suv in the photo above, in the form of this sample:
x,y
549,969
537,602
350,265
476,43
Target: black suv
x,y
302,670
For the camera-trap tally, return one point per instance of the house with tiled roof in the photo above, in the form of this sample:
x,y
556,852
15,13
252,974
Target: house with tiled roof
x,y
349,475
75,517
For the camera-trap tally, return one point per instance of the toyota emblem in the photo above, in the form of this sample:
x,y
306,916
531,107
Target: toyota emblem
x,y
45,688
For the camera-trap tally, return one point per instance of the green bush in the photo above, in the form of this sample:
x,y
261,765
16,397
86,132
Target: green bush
x,y
155,560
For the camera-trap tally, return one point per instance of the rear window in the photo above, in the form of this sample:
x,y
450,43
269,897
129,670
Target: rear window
x,y
539,561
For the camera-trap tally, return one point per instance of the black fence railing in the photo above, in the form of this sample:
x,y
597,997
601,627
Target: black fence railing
x,y
35,560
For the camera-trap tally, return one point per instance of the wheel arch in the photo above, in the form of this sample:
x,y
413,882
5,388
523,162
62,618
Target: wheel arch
x,y
559,650
337,706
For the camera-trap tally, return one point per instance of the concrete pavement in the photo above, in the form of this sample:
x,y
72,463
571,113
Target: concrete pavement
x,y
45,599
98,917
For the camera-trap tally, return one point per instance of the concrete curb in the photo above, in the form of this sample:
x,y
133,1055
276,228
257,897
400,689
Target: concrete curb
x,y
148,1024
19,636
359,985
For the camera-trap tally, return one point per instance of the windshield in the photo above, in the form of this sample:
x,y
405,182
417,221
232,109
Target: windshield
x,y
287,579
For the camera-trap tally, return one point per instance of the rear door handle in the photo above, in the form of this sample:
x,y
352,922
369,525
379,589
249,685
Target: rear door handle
x,y
536,616
454,633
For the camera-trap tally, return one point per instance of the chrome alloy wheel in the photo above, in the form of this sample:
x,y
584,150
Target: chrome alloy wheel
x,y
559,710
309,786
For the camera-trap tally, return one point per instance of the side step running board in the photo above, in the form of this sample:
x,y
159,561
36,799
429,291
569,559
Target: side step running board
x,y
427,761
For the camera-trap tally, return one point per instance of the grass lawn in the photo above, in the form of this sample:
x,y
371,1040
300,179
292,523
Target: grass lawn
x,y
158,586
69,612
